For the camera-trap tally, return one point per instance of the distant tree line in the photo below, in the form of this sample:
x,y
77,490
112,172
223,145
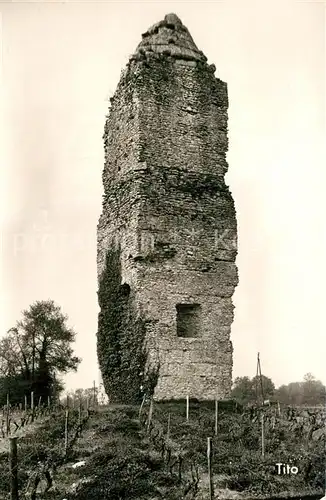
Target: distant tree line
x,y
309,392
82,397
34,353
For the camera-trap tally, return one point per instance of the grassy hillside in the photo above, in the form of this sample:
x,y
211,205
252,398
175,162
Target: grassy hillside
x,y
122,457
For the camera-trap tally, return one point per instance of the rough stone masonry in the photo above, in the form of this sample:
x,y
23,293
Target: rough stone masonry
x,y
168,209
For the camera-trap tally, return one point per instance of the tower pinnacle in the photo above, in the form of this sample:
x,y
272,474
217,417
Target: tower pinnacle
x,y
170,37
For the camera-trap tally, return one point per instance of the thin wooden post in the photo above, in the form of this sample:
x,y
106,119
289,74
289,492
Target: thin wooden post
x,y
94,394
87,403
79,426
141,406
209,465
66,431
8,414
187,407
7,421
32,405
150,414
25,398
169,426
13,465
216,415
262,437
279,408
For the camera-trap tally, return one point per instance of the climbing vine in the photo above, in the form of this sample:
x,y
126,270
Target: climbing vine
x,y
120,338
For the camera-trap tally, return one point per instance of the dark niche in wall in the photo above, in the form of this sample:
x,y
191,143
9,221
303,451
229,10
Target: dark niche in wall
x,y
188,320
125,289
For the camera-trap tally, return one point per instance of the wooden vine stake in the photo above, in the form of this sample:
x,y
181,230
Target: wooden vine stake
x,y
262,437
32,405
187,407
150,415
79,413
216,415
169,426
8,415
13,466
94,394
66,431
7,421
141,406
209,466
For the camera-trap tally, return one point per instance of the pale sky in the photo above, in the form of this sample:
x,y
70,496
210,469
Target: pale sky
x,y
61,61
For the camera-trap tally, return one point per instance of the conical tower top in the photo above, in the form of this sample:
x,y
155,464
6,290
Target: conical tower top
x,y
172,38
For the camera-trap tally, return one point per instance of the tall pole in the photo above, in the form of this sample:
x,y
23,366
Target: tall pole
x,y
261,380
256,381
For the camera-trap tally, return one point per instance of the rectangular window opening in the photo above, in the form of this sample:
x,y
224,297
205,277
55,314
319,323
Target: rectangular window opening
x,y
188,320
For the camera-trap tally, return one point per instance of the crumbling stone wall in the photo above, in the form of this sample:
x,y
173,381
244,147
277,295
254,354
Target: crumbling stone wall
x,y
168,208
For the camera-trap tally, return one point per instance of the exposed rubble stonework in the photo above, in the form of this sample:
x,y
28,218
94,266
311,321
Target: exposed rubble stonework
x,y
168,209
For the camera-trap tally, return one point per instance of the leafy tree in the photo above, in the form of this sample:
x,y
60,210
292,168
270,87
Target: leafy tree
x,y
36,351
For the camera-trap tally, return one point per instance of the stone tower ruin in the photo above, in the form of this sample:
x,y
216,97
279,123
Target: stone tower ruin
x,y
167,236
